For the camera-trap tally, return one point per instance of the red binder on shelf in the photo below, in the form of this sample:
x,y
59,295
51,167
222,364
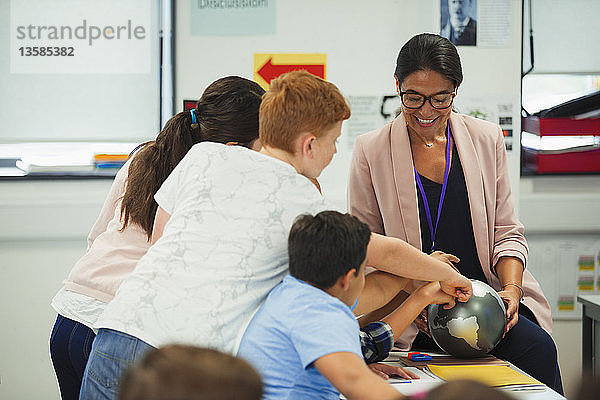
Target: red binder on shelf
x,y
560,145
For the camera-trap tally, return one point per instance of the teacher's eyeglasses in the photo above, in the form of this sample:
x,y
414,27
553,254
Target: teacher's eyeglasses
x,y
438,101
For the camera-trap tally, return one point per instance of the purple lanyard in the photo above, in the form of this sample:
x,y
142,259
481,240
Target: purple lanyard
x,y
432,229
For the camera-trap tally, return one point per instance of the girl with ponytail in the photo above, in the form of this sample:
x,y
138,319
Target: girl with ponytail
x,y
226,113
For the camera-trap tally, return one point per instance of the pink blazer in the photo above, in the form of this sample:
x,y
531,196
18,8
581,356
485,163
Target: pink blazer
x,y
382,193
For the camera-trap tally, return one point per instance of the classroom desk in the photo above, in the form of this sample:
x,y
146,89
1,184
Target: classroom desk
x,y
417,386
590,354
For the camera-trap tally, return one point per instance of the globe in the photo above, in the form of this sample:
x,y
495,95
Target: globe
x,y
471,329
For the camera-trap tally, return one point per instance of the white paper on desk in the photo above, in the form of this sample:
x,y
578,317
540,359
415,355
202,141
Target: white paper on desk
x,y
423,377
410,387
520,388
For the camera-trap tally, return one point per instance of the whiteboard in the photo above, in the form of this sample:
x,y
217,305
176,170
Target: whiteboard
x,y
106,91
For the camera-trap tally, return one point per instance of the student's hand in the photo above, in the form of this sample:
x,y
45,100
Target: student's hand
x,y
457,286
385,371
421,322
511,300
446,258
435,295
349,374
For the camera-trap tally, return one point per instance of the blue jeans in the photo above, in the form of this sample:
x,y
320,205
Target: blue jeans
x,y
70,345
113,352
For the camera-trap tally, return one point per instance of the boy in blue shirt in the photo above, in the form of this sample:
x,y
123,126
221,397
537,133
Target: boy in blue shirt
x,y
304,340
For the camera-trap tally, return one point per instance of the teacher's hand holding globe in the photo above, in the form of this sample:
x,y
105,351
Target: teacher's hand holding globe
x,y
470,329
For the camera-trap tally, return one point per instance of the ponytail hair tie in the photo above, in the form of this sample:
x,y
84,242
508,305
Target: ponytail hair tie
x,y
194,120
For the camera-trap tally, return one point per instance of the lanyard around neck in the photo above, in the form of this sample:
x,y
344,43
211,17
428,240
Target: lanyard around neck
x,y
432,228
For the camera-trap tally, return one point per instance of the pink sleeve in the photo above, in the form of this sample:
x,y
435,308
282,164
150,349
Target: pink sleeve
x,y
107,212
362,202
509,238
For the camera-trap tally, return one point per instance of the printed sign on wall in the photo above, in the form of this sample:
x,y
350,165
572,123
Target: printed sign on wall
x,y
75,36
269,66
232,17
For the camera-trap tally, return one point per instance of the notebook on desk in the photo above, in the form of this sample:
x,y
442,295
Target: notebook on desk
x,y
492,375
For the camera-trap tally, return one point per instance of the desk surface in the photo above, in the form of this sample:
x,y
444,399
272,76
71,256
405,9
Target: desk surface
x,y
589,299
590,333
421,385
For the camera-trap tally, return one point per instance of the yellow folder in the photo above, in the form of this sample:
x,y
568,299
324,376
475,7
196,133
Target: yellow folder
x,y
491,375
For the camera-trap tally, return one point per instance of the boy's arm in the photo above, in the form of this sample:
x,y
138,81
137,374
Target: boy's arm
x,y
386,310
408,287
351,376
404,315
380,288
400,258
377,338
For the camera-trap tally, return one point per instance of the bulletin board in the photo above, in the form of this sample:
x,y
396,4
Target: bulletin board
x,y
565,266
360,41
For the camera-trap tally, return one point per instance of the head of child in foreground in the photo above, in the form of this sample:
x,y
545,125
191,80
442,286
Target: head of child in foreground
x,y
329,251
302,115
179,372
466,389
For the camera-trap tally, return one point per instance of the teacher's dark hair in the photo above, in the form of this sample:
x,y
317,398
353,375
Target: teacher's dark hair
x,y
429,52
226,112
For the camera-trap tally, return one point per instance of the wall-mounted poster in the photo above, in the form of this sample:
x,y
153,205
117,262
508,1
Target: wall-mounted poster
x,y
232,17
458,21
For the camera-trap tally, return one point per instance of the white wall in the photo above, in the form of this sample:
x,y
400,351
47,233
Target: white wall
x,y
43,230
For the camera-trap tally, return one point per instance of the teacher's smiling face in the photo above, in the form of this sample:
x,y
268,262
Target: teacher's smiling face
x,y
426,121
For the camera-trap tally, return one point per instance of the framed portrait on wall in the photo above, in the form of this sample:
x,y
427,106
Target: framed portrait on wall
x,y
458,22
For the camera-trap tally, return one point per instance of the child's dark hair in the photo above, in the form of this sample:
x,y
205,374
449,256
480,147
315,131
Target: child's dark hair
x,y
226,112
325,247
179,372
466,389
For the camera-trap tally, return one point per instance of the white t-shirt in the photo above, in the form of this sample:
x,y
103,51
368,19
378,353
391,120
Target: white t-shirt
x,y
223,249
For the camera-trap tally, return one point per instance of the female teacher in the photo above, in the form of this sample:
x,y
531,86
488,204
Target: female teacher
x,y
439,180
